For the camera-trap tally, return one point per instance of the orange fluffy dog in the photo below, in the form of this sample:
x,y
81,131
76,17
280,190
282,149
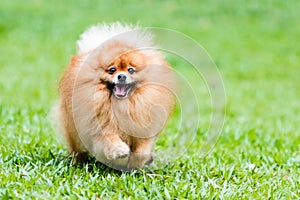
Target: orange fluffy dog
x,y
116,96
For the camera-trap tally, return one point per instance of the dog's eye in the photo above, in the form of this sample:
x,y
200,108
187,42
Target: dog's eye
x,y
130,70
112,70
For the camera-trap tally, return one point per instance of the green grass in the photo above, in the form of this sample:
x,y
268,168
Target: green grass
x,y
255,46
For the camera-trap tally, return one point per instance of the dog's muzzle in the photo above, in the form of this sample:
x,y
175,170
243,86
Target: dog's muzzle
x,y
121,87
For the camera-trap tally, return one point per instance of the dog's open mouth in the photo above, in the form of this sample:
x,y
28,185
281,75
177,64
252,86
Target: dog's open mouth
x,y
121,90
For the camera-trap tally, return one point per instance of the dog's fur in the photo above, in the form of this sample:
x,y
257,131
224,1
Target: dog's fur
x,y
98,115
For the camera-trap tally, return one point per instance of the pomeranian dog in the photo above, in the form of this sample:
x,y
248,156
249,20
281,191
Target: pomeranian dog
x,y
116,96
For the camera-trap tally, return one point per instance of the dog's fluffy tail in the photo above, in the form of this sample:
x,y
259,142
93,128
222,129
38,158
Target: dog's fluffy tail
x,y
126,33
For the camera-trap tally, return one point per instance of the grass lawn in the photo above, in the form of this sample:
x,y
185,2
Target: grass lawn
x,y
255,45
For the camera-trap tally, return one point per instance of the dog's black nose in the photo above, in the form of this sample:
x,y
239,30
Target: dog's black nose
x,y
122,77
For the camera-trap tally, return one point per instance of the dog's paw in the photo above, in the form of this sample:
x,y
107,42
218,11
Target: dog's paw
x,y
139,160
150,159
117,151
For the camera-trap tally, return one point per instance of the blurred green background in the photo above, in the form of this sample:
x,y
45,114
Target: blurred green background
x,y
253,43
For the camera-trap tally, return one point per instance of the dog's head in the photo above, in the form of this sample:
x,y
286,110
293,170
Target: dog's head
x,y
126,70
123,74
121,78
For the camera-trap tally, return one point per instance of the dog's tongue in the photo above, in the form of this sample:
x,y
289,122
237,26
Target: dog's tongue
x,y
120,90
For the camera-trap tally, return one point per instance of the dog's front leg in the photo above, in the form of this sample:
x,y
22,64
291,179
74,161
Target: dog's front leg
x,y
111,150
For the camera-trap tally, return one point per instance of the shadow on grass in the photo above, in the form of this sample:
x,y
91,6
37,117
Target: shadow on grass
x,y
61,163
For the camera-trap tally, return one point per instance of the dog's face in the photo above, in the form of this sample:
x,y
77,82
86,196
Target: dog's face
x,y
124,73
121,81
